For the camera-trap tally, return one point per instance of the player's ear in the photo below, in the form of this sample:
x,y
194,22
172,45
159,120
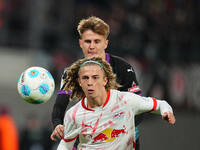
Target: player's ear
x,y
106,44
105,81
80,42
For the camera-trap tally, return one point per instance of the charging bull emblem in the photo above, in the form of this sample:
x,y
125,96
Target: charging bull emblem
x,y
109,135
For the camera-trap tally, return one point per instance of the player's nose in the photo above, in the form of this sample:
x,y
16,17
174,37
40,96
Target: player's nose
x,y
90,82
92,45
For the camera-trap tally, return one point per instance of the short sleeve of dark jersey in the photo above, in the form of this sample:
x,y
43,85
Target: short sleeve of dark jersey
x,y
125,75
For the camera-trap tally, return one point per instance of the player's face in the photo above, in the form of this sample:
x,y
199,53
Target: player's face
x,y
93,44
92,80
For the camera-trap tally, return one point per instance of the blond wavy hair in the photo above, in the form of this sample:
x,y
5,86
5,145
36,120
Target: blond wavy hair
x,y
95,24
73,75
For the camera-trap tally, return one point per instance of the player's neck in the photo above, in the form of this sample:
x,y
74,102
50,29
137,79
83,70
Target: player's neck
x,y
98,101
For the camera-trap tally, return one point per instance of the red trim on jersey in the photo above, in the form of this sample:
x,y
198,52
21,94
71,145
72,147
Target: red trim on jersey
x,y
107,99
154,104
85,107
134,144
69,140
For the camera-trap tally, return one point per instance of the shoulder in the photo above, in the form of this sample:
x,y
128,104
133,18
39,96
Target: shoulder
x,y
118,60
124,96
74,109
121,67
71,114
121,94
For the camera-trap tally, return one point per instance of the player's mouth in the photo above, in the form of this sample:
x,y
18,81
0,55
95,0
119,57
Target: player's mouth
x,y
90,91
91,53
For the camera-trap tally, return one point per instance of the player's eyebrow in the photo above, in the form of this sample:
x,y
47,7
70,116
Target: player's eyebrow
x,y
86,76
87,41
95,75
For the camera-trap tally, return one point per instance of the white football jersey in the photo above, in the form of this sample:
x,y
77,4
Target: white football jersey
x,y
109,127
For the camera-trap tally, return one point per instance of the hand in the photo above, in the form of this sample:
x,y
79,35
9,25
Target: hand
x,y
169,116
58,132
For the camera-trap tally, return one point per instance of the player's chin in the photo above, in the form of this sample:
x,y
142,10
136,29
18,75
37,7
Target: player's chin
x,y
90,55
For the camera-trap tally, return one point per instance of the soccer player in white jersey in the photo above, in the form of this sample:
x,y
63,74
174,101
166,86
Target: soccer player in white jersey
x,y
103,119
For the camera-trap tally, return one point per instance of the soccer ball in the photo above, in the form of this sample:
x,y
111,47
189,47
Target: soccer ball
x,y
36,85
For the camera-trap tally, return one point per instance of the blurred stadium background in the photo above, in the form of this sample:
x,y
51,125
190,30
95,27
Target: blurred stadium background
x,y
160,38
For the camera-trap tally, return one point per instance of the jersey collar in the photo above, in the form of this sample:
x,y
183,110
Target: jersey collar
x,y
85,107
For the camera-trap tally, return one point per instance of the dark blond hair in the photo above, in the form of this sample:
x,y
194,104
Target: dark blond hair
x,y
73,75
95,24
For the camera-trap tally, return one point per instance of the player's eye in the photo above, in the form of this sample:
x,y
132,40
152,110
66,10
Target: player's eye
x,y
97,41
87,41
85,77
95,77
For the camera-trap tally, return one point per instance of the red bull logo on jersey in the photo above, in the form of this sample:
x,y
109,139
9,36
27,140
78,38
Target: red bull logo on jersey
x,y
108,135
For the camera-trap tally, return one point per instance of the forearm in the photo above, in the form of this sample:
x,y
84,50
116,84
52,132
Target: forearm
x,y
155,106
163,107
149,104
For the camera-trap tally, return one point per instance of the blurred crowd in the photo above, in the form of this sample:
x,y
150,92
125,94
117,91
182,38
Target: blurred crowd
x,y
167,30
160,38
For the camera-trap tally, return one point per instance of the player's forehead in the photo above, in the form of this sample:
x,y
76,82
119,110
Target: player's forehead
x,y
91,70
90,35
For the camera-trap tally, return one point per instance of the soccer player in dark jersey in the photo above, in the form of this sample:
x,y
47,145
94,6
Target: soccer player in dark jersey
x,y
93,41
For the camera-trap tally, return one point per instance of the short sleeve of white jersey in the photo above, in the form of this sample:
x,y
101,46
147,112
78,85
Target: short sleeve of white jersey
x,y
142,104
